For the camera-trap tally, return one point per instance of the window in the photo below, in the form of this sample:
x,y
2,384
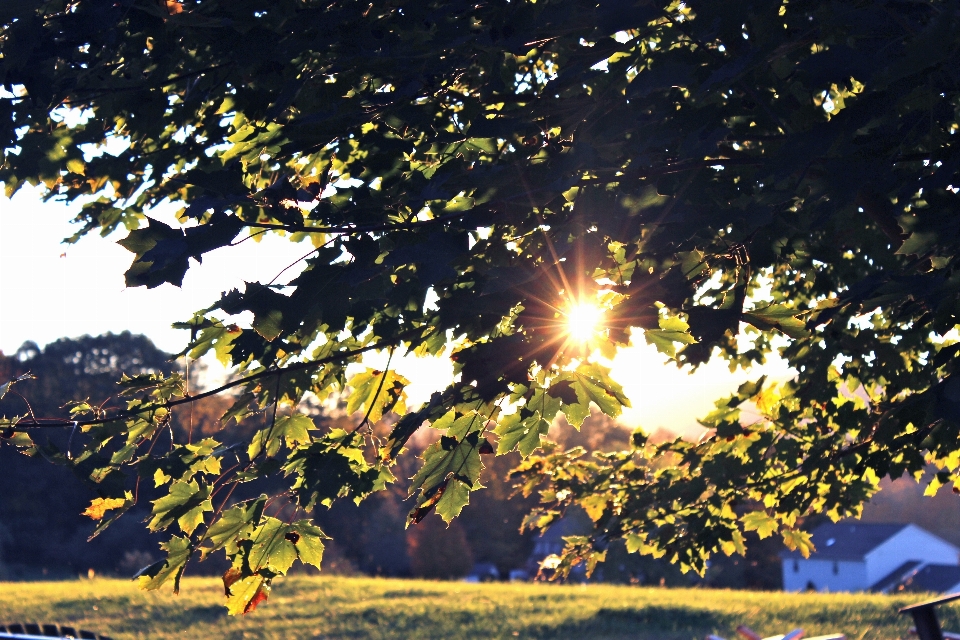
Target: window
x,y
796,566
836,568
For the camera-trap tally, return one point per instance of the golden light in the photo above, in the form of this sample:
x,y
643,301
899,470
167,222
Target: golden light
x,y
583,321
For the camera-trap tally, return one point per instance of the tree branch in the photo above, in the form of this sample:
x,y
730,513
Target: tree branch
x,y
672,168
399,226
23,425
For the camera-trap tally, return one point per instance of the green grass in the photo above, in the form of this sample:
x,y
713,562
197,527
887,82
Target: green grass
x,y
311,607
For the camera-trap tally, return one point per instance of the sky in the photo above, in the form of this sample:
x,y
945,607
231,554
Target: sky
x,y
50,290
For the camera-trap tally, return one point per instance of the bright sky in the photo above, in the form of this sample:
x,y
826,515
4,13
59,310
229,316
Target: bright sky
x,y
50,290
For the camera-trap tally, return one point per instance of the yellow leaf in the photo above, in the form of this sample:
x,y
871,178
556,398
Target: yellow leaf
x,y
637,543
99,507
734,545
768,399
760,522
246,594
798,540
377,392
594,505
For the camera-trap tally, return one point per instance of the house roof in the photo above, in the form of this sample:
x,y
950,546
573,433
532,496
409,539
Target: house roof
x,y
895,577
935,578
848,540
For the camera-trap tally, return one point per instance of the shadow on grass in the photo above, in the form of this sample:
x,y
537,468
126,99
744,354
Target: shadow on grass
x,y
607,623
411,593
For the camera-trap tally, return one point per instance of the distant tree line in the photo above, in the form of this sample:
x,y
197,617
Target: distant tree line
x,y
43,534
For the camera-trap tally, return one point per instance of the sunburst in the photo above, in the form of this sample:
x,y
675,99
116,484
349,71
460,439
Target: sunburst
x,y
583,321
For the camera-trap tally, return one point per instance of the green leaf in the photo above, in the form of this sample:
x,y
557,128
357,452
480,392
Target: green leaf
x,y
185,504
309,543
269,324
576,413
449,465
233,523
183,462
692,263
638,543
672,331
270,548
458,204
293,431
779,317
918,243
217,337
466,423
522,433
460,459
333,467
154,576
595,505
592,383
455,497
239,410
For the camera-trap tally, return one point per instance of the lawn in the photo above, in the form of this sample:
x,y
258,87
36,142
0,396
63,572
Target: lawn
x,y
328,608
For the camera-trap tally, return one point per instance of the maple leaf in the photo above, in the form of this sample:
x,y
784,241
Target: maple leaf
x,y
246,593
99,507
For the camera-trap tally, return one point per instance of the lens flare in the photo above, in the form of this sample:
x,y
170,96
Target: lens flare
x,y
583,321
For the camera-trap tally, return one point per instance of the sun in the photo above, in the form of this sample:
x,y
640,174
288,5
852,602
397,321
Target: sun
x,y
583,321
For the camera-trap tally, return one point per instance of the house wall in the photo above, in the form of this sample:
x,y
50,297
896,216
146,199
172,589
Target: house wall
x,y
824,575
911,543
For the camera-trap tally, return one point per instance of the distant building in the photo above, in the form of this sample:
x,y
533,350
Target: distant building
x,y
483,572
551,542
856,556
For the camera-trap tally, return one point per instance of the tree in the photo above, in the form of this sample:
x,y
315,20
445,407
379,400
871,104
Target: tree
x,y
78,369
467,175
439,552
50,500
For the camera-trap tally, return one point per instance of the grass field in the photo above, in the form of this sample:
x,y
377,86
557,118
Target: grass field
x,y
328,608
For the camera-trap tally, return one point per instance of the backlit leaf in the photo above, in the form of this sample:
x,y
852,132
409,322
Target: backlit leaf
x,y
185,504
760,522
309,544
99,506
778,317
154,576
455,497
797,540
233,523
376,392
672,331
246,594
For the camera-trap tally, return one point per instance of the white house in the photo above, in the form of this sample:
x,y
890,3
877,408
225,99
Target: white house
x,y
857,556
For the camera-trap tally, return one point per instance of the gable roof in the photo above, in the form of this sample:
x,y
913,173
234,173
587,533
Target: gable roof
x,y
935,578
848,540
893,579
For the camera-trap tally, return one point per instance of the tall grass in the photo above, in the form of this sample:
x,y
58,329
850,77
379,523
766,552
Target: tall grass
x,y
327,608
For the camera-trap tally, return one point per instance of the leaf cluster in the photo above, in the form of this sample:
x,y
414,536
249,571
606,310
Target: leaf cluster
x,y
463,174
